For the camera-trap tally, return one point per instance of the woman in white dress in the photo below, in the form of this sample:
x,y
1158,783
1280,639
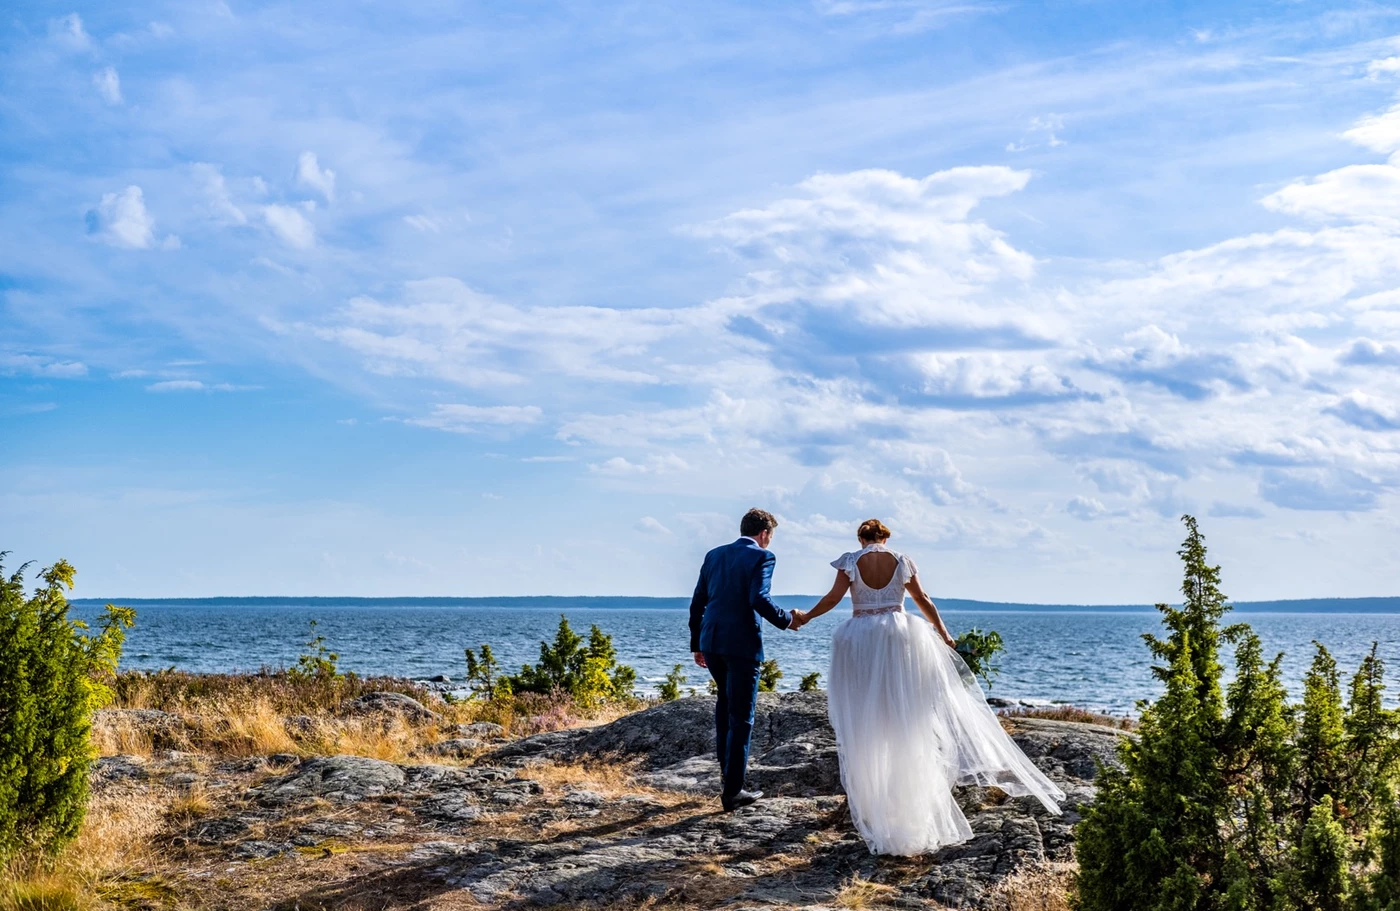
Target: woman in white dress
x,y
910,719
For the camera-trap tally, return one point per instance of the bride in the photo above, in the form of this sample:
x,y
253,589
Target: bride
x,y
910,719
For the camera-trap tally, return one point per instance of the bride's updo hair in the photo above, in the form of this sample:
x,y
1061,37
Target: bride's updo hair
x,y
874,531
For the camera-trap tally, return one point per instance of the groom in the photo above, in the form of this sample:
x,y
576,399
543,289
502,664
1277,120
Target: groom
x,y
725,638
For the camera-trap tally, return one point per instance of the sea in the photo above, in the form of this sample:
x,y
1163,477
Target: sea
x,y
1092,657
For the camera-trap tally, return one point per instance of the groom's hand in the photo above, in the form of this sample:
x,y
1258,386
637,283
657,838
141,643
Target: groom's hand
x,y
798,620
700,659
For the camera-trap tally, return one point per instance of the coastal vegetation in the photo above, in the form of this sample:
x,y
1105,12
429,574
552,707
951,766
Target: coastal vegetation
x,y
54,672
1232,798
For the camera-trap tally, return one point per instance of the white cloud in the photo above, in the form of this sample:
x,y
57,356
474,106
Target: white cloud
x,y
650,525
1379,133
176,386
69,31
290,226
121,220
109,85
1365,191
1366,411
311,174
33,365
472,418
666,463
1385,66
1086,508
219,204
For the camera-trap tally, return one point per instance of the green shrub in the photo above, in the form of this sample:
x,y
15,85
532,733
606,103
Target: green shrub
x,y
671,687
1232,799
587,672
768,676
318,664
484,675
809,682
53,674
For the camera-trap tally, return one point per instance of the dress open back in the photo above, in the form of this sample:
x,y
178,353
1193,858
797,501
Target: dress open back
x,y
911,722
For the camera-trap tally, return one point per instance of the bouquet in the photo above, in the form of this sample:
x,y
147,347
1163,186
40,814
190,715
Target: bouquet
x,y
978,649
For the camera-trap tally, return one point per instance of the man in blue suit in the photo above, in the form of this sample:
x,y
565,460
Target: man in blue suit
x,y
726,639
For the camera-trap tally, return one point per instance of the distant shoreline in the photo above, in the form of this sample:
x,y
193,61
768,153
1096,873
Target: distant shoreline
x,y
1378,605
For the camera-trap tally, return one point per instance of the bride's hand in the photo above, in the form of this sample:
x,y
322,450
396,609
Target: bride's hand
x,y
799,619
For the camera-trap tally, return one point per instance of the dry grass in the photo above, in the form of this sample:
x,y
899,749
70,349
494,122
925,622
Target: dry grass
x,y
861,893
603,777
1072,713
1043,888
247,715
105,867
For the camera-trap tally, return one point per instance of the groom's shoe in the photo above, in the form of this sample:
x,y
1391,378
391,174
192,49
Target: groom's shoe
x,y
742,799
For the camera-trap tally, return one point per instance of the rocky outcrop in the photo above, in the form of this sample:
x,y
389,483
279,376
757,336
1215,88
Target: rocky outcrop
x,y
608,816
387,703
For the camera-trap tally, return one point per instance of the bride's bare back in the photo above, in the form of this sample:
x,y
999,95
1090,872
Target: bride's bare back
x,y
877,568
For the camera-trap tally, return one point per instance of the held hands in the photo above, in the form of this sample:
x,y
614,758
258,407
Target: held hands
x,y
799,620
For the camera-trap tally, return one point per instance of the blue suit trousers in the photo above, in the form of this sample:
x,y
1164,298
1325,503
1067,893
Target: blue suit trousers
x,y
737,681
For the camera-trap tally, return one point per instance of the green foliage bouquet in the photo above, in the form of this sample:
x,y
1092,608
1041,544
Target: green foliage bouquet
x,y
978,649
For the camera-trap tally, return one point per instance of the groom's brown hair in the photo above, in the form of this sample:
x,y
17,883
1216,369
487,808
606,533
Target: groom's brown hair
x,y
757,521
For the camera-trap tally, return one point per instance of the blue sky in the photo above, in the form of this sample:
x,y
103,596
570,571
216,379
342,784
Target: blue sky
x,y
537,298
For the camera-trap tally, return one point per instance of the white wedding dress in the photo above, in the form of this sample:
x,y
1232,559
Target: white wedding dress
x,y
911,722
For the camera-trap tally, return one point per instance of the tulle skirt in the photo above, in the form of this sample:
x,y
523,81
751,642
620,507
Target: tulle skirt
x,y
911,722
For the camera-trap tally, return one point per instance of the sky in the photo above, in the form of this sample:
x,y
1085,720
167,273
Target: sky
x,y
535,298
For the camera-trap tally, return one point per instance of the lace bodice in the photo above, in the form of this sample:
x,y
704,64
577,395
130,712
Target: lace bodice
x,y
865,599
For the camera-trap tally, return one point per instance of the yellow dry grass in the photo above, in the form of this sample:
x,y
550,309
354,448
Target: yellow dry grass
x,y
859,893
603,777
105,865
1042,888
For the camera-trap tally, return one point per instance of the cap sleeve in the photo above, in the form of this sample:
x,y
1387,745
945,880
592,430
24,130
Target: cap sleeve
x,y
846,563
907,567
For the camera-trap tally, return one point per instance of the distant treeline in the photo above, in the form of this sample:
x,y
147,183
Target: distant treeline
x,y
1389,605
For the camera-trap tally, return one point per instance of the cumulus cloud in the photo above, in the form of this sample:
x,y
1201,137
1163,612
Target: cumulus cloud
x,y
290,226
121,220
1380,132
311,174
1159,358
1365,411
108,84
474,418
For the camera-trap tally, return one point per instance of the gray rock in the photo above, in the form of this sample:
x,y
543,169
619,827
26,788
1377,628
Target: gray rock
x,y
217,831
299,726
457,748
165,730
482,730
259,850
385,703
343,778
110,770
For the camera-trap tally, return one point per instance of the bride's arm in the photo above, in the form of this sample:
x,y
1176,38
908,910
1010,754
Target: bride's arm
x,y
929,609
828,601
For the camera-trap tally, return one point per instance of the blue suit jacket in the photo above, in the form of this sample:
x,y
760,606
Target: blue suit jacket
x,y
730,597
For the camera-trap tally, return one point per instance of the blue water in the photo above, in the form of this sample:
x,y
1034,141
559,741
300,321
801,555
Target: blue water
x,y
1094,659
